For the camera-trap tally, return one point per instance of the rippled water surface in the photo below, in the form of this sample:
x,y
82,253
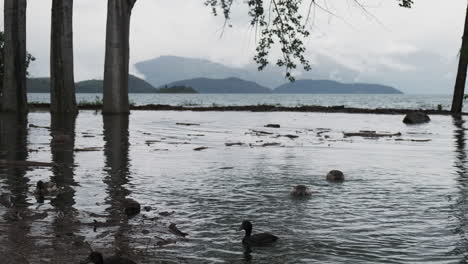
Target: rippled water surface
x,y
403,201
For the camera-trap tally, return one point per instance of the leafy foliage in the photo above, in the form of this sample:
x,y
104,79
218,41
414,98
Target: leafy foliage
x,y
29,58
279,22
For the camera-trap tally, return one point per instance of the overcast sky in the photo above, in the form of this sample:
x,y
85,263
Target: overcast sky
x,y
353,39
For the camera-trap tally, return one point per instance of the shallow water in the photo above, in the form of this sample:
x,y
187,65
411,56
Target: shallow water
x,y
403,101
402,201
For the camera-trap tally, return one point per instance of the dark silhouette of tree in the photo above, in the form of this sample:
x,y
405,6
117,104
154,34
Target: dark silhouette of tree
x,y
13,94
62,80
115,99
459,90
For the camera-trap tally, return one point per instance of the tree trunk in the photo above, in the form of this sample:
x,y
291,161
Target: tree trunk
x,y
459,91
62,93
117,56
13,97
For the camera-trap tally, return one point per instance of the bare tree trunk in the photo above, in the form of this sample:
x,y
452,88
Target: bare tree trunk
x,y
14,95
117,56
459,91
62,93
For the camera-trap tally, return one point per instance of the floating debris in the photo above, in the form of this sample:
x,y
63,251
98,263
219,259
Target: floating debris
x,y
226,168
173,228
88,149
262,132
35,126
413,140
164,242
200,148
273,125
268,144
290,136
149,142
187,124
166,213
25,163
230,144
371,134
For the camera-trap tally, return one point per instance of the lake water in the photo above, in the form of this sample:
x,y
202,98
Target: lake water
x,y
348,100
403,201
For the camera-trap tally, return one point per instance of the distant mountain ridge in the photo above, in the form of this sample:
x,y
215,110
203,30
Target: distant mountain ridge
x,y
334,87
179,70
135,85
168,69
228,85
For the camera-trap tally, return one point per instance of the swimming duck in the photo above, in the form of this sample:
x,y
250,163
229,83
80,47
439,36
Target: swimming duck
x,y
257,240
335,176
300,191
45,188
131,207
97,258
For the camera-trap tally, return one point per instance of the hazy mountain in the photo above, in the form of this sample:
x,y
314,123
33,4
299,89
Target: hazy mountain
x,y
402,71
333,87
228,85
167,69
135,85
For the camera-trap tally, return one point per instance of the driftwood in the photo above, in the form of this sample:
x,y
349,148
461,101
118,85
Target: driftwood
x,y
187,124
259,132
173,228
88,149
268,144
371,134
413,140
25,163
200,148
234,144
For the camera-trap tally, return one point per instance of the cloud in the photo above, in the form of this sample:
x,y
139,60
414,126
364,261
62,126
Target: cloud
x,y
367,42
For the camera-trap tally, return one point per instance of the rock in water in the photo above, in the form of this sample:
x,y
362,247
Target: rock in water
x,y
416,118
132,207
335,176
273,125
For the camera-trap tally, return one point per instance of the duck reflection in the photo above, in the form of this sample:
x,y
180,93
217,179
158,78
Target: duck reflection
x,y
116,150
461,203
14,187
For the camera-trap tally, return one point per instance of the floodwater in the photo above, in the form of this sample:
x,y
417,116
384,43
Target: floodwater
x,y
400,101
403,201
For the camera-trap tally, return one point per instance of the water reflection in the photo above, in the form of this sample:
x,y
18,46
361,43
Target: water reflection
x,y
62,147
461,204
116,151
13,147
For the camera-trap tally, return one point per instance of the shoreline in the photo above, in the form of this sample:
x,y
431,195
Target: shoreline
x,y
36,107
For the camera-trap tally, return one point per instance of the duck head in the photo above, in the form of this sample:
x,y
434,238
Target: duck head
x,y
247,226
40,185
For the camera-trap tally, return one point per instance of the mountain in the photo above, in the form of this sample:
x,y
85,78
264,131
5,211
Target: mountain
x,y
333,87
167,69
228,85
135,85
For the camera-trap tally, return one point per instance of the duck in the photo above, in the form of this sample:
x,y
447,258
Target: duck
x,y
256,240
97,258
335,176
45,188
300,191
